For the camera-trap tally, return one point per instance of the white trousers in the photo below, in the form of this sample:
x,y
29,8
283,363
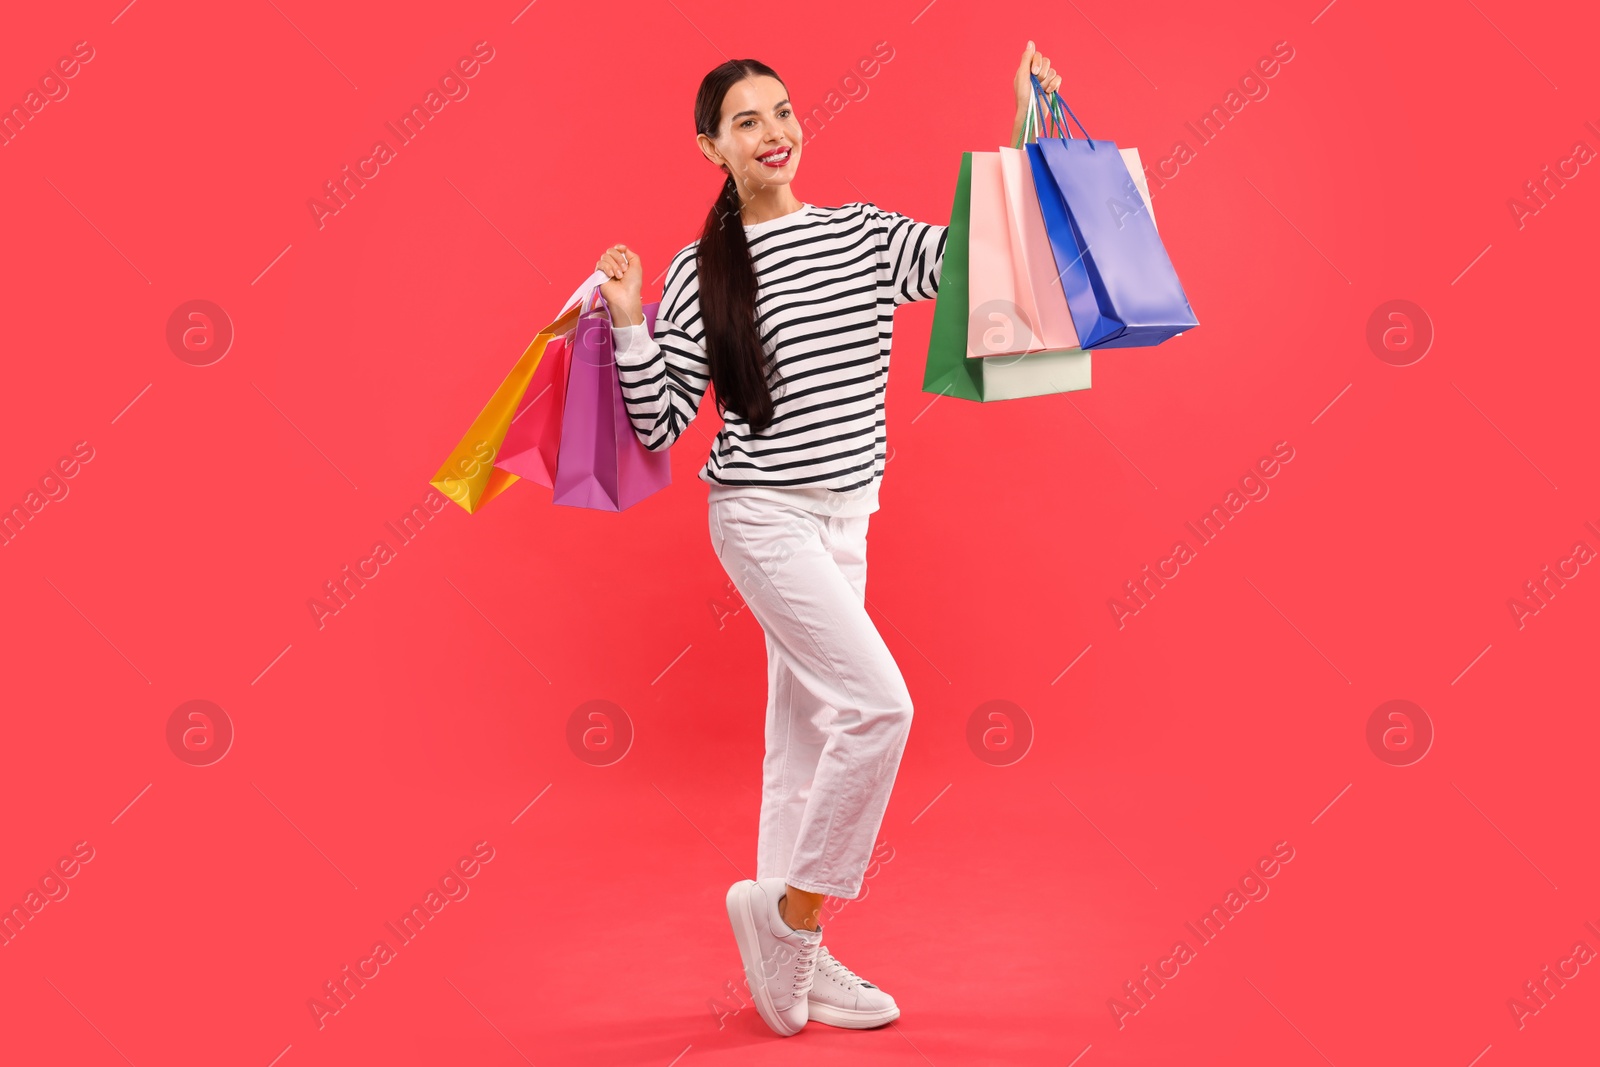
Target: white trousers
x,y
838,710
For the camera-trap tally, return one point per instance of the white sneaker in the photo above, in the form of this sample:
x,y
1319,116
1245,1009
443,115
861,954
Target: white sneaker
x,y
841,997
779,961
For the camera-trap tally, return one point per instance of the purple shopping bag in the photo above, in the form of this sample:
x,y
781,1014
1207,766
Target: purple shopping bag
x,y
602,463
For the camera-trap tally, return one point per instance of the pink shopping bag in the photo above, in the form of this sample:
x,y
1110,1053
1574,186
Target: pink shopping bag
x,y
533,442
602,463
1038,285
1002,317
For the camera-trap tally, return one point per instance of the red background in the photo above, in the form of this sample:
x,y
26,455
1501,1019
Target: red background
x,y
1226,716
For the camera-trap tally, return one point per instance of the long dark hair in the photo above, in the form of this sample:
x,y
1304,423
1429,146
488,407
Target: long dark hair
x,y
727,275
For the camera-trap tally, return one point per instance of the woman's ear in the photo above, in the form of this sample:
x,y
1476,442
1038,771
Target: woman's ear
x,y
708,149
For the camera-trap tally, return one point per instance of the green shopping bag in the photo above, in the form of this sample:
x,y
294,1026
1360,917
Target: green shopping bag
x,y
950,371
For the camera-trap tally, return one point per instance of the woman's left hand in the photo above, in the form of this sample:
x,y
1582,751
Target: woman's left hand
x,y
1033,63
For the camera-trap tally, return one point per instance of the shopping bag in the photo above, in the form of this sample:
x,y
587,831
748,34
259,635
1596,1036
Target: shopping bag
x,y
1044,320
533,440
1011,263
1000,300
1038,285
1035,263
949,371
468,475
1119,281
602,463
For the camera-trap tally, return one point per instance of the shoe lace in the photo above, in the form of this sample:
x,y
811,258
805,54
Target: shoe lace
x,y
805,971
829,965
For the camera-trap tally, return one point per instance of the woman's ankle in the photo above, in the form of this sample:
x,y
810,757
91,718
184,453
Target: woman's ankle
x,y
793,911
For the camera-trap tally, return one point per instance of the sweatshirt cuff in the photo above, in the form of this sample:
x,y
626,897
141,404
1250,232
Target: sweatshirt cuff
x,y
627,339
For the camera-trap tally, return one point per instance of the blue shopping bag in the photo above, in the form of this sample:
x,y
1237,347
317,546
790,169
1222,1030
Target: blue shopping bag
x,y
1120,284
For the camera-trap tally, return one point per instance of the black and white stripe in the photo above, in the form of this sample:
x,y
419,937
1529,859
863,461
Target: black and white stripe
x,y
828,281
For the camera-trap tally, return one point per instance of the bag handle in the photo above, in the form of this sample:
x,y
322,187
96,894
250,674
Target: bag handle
x,y
1031,126
590,287
1050,111
1054,99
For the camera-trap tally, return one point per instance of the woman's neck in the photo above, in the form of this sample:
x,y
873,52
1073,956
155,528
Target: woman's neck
x,y
770,203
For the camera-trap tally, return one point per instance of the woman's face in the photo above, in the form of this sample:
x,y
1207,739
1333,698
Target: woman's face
x,y
758,138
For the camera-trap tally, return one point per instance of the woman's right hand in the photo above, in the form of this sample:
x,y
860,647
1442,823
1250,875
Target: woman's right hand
x,y
623,292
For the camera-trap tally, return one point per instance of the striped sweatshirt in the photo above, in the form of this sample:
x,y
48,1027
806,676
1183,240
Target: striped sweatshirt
x,y
828,280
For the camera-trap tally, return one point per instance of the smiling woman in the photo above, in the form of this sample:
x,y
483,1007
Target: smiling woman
x,y
787,308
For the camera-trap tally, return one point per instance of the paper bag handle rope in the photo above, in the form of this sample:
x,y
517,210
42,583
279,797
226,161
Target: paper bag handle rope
x,y
1030,126
1054,99
590,286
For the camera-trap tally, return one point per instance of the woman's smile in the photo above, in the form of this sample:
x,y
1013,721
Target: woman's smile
x,y
775,158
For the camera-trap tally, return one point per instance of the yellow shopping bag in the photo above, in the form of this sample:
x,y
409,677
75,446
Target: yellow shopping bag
x,y
469,476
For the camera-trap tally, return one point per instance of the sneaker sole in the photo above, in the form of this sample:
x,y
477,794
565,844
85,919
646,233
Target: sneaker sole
x,y
851,1019
743,920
